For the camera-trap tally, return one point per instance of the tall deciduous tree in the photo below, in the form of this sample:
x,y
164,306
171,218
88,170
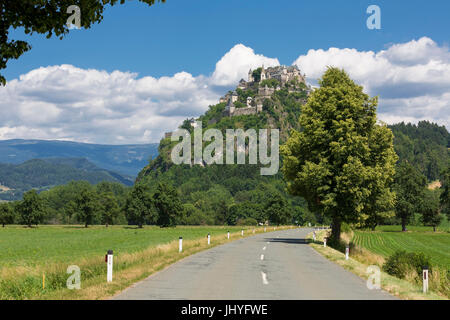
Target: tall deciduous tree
x,y
87,205
409,186
6,214
139,205
341,161
277,210
109,209
431,215
168,205
45,17
31,208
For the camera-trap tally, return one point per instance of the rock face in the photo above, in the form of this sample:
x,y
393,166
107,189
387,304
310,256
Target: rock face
x,y
262,83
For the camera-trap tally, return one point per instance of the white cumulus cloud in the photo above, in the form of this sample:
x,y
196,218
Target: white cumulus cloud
x,y
88,105
412,79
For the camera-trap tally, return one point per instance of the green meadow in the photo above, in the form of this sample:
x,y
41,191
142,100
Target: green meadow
x,y
21,246
385,240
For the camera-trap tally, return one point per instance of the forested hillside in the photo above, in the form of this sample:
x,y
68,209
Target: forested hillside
x,y
234,194
425,145
43,174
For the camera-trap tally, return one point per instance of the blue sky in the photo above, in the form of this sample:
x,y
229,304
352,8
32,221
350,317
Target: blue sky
x,y
143,69
193,35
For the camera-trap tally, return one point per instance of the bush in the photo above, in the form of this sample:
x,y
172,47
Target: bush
x,y
401,263
246,222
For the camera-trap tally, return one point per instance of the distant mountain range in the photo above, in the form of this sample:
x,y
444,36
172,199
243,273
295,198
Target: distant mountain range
x,y
123,159
42,174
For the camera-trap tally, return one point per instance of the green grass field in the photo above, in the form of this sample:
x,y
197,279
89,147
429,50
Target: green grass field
x,y
385,240
20,246
27,254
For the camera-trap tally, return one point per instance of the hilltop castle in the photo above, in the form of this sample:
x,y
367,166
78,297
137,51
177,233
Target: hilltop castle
x,y
282,74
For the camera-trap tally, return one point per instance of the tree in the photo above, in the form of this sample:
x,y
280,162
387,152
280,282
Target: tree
x,y
6,214
341,156
168,205
430,210
109,209
139,206
277,210
44,17
86,205
445,194
409,186
31,208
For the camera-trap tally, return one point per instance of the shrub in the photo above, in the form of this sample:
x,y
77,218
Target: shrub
x,y
247,222
401,263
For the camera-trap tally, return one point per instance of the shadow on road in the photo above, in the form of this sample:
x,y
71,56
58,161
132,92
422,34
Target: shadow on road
x,y
288,240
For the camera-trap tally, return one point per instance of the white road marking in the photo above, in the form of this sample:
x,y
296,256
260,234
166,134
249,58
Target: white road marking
x,y
262,257
264,248
264,278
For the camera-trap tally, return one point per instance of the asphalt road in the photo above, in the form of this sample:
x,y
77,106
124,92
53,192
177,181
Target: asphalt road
x,y
273,265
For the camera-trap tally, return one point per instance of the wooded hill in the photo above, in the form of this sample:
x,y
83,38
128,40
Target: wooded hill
x,y
42,174
232,194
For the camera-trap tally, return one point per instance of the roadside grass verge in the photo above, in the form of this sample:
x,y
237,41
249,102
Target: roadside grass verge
x,y
25,281
360,259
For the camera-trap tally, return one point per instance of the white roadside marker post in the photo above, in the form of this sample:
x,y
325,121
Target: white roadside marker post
x,y
264,229
242,232
347,251
314,236
228,234
180,246
425,279
253,230
209,239
324,242
109,266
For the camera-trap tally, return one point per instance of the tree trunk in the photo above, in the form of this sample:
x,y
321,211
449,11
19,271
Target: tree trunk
x,y
403,224
434,228
86,225
140,225
335,230
3,225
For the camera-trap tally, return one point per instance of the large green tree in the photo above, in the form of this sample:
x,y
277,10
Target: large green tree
x,y
6,214
431,213
139,205
31,208
87,206
47,17
277,210
409,186
168,205
341,161
109,209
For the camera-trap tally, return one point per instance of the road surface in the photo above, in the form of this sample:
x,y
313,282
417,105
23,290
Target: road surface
x,y
274,265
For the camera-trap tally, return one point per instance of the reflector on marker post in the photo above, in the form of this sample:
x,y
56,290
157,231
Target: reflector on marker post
x,y
180,246
209,239
109,264
425,279
347,251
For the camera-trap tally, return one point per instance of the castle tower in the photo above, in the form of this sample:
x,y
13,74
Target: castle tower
x,y
250,76
263,74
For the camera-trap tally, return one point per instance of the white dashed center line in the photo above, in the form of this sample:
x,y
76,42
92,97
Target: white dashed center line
x,y
262,257
264,278
264,248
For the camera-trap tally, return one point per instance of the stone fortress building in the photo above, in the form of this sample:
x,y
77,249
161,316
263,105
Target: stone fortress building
x,y
282,74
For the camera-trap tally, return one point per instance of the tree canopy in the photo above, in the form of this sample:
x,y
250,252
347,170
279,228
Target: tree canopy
x,y
341,161
47,17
